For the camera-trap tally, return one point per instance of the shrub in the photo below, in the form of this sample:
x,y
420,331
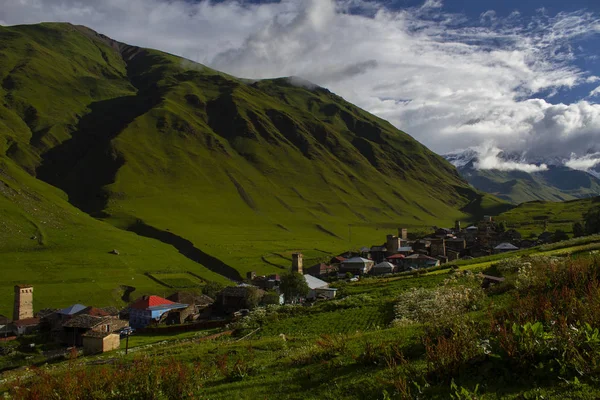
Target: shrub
x,y
437,306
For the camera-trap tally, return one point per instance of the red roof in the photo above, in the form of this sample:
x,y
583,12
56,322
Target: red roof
x,y
27,322
150,301
96,312
395,256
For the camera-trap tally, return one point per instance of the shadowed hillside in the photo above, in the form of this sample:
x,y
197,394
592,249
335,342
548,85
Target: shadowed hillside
x,y
232,168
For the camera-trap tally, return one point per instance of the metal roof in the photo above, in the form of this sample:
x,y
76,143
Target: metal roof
x,y
506,246
385,264
74,309
315,283
356,260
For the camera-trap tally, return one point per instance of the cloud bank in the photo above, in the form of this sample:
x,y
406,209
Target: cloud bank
x,y
449,81
488,157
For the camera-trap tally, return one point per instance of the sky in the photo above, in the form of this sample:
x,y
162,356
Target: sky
x,y
496,75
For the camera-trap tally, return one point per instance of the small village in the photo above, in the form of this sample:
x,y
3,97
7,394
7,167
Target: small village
x,y
95,330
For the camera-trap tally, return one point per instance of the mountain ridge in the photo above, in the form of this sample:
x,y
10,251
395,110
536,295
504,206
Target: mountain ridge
x,y
530,180
230,169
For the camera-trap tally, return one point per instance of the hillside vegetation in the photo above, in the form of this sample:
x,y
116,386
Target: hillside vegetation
x,y
537,216
432,336
185,168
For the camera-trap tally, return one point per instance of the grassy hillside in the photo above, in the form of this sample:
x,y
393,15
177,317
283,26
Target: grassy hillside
x,y
535,216
230,175
431,336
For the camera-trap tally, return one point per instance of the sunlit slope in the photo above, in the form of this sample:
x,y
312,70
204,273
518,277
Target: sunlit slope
x,y
234,174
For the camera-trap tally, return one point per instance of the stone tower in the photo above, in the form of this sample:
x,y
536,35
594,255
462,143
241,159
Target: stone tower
x,y
392,243
403,233
23,302
297,263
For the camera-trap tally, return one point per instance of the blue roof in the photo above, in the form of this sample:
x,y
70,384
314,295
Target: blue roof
x,y
74,309
167,307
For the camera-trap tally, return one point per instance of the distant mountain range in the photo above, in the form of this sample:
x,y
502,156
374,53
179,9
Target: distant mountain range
x,y
552,180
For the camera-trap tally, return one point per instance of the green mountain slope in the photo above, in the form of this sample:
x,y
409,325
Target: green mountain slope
x,y
232,174
537,216
558,183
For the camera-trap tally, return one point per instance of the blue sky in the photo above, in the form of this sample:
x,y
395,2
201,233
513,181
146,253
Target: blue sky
x,y
520,76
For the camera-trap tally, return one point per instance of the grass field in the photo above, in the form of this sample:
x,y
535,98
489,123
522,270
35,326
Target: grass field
x,y
534,217
348,349
177,280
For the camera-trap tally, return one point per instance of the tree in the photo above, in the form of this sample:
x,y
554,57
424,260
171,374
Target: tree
x,y
578,229
293,285
253,296
501,227
560,235
592,221
271,297
212,288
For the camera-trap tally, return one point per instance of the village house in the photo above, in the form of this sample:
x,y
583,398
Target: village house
x,y
318,288
149,309
264,282
384,268
378,253
24,326
356,266
419,261
76,327
504,248
95,342
396,259
321,270
234,298
337,260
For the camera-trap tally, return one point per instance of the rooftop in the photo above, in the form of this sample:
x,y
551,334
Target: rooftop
x,y
396,256
315,283
146,302
26,322
420,257
384,264
83,321
71,310
506,246
356,260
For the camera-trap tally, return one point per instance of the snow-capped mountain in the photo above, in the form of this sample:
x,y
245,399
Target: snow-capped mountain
x,y
518,178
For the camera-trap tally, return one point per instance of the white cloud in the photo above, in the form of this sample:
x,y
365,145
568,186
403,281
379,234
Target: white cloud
x,y
584,163
488,158
595,92
449,81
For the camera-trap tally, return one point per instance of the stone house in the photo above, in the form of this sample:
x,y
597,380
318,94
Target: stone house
x,y
234,298
504,248
396,259
384,268
321,269
75,328
378,253
24,326
100,342
318,288
357,266
419,261
149,309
